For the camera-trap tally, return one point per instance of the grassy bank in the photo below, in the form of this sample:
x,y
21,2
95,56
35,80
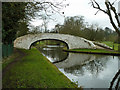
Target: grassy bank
x,y
111,44
94,51
99,51
33,70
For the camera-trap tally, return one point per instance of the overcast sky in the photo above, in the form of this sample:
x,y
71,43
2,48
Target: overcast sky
x,y
82,8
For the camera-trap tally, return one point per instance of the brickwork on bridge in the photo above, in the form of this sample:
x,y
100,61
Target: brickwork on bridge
x,y
72,41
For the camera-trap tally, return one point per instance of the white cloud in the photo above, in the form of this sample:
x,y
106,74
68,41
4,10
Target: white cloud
x,y
82,8
36,22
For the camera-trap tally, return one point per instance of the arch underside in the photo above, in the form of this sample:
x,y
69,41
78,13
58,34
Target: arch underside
x,y
49,39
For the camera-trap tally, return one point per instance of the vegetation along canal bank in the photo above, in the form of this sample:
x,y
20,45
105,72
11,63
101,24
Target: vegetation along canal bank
x,y
94,51
103,51
30,69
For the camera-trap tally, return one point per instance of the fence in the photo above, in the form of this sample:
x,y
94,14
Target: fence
x,y
7,50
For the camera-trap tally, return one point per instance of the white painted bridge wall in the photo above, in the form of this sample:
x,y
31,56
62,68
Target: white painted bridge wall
x,y
72,41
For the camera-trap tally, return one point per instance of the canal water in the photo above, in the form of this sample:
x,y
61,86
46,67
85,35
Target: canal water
x,y
86,70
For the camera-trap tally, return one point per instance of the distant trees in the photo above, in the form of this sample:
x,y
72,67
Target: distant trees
x,y
72,25
94,34
110,35
77,26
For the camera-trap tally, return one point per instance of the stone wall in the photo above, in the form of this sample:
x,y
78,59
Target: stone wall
x,y
72,41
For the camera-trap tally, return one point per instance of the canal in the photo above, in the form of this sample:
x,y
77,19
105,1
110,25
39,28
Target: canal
x,y
86,70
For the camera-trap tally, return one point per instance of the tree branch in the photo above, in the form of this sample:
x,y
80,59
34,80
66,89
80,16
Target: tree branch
x,y
117,85
50,8
111,19
109,7
97,7
115,77
116,15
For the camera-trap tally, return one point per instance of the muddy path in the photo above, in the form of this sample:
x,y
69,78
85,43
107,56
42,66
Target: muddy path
x,y
21,54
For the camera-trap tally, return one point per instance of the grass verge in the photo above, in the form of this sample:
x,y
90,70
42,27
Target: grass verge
x,y
111,44
94,51
34,71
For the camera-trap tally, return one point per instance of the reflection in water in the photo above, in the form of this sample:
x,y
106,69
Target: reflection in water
x,y
93,74
90,71
92,64
54,53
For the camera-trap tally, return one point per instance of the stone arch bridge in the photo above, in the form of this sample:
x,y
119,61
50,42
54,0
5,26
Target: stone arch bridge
x,y
72,42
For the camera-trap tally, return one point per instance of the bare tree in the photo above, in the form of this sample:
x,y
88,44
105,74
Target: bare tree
x,y
45,7
109,9
44,10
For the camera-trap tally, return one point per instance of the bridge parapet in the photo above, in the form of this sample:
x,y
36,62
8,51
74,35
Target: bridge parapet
x,y
72,41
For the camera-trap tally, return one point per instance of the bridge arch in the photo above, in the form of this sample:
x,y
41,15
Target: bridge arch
x,y
72,41
51,39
